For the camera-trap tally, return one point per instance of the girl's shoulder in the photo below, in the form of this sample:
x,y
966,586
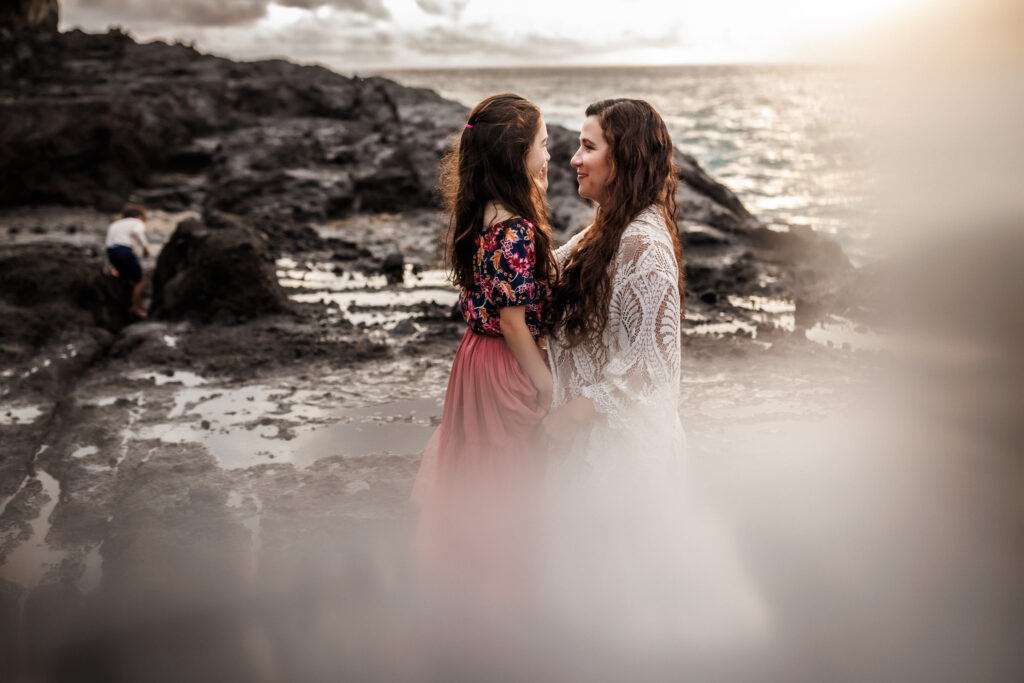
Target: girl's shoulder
x,y
515,228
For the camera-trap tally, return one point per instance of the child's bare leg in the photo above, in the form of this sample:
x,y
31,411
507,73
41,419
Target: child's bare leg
x,y
137,307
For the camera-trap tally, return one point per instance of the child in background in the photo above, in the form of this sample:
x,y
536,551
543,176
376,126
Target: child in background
x,y
122,234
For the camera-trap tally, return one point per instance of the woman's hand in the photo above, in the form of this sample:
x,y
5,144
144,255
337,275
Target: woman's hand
x,y
562,424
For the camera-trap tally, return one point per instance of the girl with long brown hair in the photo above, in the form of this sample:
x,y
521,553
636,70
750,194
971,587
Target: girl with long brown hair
x,y
615,349
483,461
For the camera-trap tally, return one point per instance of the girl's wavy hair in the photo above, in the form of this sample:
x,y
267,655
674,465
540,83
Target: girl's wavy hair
x,y
642,174
488,163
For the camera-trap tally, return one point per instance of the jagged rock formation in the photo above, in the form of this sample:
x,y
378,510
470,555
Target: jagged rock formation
x,y
95,118
217,270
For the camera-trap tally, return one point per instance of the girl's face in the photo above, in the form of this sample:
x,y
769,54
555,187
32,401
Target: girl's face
x,y
592,161
537,157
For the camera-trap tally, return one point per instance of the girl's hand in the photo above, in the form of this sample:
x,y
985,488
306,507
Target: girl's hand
x,y
545,394
523,346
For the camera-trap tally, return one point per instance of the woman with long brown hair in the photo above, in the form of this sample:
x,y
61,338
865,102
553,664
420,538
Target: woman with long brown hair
x,y
617,566
616,311
483,462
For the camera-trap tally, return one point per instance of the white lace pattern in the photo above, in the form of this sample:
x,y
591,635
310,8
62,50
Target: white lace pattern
x,y
628,546
632,374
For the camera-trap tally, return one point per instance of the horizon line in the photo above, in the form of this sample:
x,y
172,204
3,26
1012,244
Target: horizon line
x,y
659,65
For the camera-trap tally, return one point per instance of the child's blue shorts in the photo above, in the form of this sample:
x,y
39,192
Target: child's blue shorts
x,y
125,262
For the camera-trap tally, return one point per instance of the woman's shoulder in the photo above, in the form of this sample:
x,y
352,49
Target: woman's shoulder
x,y
646,245
648,226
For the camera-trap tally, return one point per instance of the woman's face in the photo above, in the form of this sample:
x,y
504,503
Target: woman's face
x,y
592,161
537,157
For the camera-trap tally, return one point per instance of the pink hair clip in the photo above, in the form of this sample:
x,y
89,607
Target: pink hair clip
x,y
469,125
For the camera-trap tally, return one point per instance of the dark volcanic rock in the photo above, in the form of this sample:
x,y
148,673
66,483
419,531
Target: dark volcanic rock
x,y
92,119
702,199
29,15
393,266
98,119
47,289
79,152
59,312
348,251
215,270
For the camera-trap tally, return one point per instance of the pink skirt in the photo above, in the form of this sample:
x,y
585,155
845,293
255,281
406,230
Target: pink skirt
x,y
480,471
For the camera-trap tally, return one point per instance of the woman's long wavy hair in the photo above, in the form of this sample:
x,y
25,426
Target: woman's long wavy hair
x,y
642,174
488,164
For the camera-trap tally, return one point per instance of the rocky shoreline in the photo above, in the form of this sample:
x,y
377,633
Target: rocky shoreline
x,y
300,156
300,324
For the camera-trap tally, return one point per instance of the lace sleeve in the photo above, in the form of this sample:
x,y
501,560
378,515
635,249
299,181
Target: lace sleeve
x,y
562,253
640,382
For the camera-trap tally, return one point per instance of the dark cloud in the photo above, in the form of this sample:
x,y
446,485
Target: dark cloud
x,y
452,8
130,13
181,12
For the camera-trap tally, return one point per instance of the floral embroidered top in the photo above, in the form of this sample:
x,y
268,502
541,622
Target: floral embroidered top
x,y
503,277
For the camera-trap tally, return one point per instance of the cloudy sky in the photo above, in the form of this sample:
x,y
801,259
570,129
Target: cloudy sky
x,y
365,35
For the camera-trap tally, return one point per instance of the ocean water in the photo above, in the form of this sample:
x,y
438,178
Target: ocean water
x,y
786,139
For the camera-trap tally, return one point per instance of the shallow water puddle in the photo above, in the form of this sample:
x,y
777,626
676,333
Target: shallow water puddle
x,y
260,425
22,415
227,405
366,299
726,328
27,563
762,304
361,438
183,377
839,332
835,332
778,312
240,448
416,407
84,451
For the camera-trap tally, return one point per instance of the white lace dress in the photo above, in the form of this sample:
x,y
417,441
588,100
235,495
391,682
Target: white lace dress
x,y
632,556
632,374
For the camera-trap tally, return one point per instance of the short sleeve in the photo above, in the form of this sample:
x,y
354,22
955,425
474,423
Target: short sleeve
x,y
511,281
139,231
